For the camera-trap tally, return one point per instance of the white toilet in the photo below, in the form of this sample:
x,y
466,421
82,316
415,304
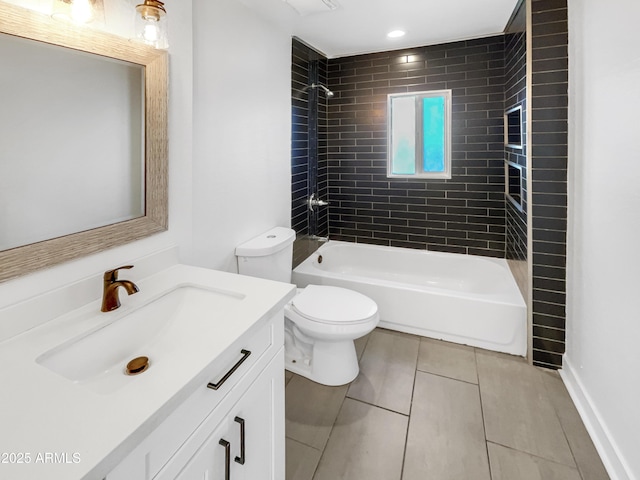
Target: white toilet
x,y
321,322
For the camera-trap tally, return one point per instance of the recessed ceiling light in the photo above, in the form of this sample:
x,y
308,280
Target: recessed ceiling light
x,y
396,34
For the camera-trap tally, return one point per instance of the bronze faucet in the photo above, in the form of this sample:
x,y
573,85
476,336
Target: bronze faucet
x,y
110,300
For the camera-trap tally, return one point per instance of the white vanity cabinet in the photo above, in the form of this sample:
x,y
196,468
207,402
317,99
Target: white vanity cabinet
x,y
234,432
228,452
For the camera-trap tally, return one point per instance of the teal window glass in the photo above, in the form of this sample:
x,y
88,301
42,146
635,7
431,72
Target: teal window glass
x,y
433,140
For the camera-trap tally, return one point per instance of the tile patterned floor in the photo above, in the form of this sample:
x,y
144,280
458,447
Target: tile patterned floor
x,y
423,409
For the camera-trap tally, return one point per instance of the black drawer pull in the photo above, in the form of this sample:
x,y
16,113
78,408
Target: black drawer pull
x,y
241,458
216,386
227,458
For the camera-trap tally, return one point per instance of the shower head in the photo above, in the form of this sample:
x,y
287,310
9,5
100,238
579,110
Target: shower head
x,y
328,92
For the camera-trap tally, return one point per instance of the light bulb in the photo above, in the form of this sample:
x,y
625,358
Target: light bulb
x,y
78,11
150,32
81,11
151,23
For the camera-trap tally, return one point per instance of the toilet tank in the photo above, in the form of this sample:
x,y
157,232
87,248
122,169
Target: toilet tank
x,y
269,255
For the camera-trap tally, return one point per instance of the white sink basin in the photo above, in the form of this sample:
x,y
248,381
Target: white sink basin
x,y
159,329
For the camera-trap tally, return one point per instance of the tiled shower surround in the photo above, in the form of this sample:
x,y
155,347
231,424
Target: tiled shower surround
x,y
515,94
549,102
467,213
309,136
308,147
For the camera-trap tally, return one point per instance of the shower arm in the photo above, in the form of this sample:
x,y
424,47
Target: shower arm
x,y
327,92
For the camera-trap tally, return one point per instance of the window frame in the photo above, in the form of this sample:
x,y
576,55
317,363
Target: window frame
x,y
419,147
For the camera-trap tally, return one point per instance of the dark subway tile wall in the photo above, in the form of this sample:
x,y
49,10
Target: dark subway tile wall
x,y
299,138
465,214
322,180
549,178
308,139
515,94
468,213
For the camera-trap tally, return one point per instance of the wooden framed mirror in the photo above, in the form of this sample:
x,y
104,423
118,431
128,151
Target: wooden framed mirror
x,y
140,124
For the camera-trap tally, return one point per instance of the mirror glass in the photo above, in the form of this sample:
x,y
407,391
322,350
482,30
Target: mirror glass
x,y
72,143
83,141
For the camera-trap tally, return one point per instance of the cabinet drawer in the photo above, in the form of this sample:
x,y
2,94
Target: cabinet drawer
x,y
232,371
220,447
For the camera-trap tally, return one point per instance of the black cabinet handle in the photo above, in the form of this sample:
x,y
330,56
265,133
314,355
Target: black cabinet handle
x,y
227,458
241,458
216,386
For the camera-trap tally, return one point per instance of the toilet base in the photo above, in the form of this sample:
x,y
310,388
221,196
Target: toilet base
x,y
328,363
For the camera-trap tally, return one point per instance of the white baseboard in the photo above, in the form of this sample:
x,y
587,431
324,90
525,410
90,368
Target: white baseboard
x,y
610,454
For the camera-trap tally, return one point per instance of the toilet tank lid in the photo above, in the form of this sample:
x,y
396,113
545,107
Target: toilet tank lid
x,y
268,243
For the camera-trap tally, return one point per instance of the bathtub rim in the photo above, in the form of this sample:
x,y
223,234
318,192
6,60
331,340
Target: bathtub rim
x,y
511,297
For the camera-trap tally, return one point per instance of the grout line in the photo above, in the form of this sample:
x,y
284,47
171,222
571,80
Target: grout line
x,y
564,432
536,456
324,449
406,437
476,352
315,471
377,406
302,443
484,424
445,376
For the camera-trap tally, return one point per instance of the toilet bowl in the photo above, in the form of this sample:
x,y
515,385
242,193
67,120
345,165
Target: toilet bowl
x,y
321,322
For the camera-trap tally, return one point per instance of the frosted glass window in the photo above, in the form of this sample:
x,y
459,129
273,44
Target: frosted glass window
x,y
420,135
403,124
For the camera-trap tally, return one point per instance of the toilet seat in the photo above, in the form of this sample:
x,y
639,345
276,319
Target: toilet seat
x,y
334,305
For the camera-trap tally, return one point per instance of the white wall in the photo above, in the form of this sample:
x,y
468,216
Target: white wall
x,y
602,361
229,149
180,150
242,118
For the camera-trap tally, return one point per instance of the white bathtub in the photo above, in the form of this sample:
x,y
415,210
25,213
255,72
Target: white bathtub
x,y
459,298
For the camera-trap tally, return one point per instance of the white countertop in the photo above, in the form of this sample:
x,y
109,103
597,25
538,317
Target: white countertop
x,y
66,430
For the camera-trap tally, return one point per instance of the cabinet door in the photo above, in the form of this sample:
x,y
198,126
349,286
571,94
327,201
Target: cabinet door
x,y
213,458
260,413
249,443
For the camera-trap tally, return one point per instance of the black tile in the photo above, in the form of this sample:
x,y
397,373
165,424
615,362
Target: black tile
x,y
549,175
549,333
548,260
548,345
550,297
561,76
551,28
543,272
545,5
551,248
542,320
549,187
550,46
547,359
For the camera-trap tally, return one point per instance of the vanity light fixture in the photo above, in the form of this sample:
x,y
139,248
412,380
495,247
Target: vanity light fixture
x,y
151,23
77,11
396,34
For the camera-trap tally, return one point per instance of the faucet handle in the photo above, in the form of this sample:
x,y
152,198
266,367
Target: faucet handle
x,y
112,275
